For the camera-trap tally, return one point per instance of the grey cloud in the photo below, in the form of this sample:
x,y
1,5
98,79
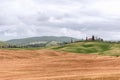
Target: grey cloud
x,y
76,18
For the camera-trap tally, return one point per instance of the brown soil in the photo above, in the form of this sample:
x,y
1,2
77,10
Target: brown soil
x,y
53,65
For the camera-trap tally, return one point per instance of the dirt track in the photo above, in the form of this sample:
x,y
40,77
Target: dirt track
x,y
52,65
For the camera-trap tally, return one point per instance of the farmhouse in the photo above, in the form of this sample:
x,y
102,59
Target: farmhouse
x,y
94,38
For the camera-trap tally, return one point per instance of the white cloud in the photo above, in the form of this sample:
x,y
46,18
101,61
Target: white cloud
x,y
76,18
72,33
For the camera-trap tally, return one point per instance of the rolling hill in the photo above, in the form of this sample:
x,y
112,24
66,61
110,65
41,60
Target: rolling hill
x,y
41,40
101,48
84,47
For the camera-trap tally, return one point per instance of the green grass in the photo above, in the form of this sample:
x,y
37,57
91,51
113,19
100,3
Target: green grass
x,y
101,48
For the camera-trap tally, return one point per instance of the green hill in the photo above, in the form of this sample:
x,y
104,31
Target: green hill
x,y
101,48
41,40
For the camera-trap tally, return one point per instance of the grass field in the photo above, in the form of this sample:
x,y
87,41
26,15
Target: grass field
x,y
101,48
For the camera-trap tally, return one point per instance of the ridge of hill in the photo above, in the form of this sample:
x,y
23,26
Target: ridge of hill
x,y
41,40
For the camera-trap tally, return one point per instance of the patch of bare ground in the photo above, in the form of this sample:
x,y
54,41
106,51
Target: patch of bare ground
x,y
53,65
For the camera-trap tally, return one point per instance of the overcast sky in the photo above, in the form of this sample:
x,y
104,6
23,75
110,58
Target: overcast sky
x,y
74,18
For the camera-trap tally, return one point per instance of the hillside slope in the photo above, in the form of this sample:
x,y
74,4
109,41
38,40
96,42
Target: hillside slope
x,y
102,48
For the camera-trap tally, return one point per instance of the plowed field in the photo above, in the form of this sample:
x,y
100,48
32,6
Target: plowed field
x,y
53,65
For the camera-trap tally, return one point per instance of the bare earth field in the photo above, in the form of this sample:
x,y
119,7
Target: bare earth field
x,y
53,65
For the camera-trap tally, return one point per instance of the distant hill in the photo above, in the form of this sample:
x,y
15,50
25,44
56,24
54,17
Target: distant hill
x,y
41,40
2,43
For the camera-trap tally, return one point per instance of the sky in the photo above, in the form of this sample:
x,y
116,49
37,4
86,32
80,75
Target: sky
x,y
73,18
